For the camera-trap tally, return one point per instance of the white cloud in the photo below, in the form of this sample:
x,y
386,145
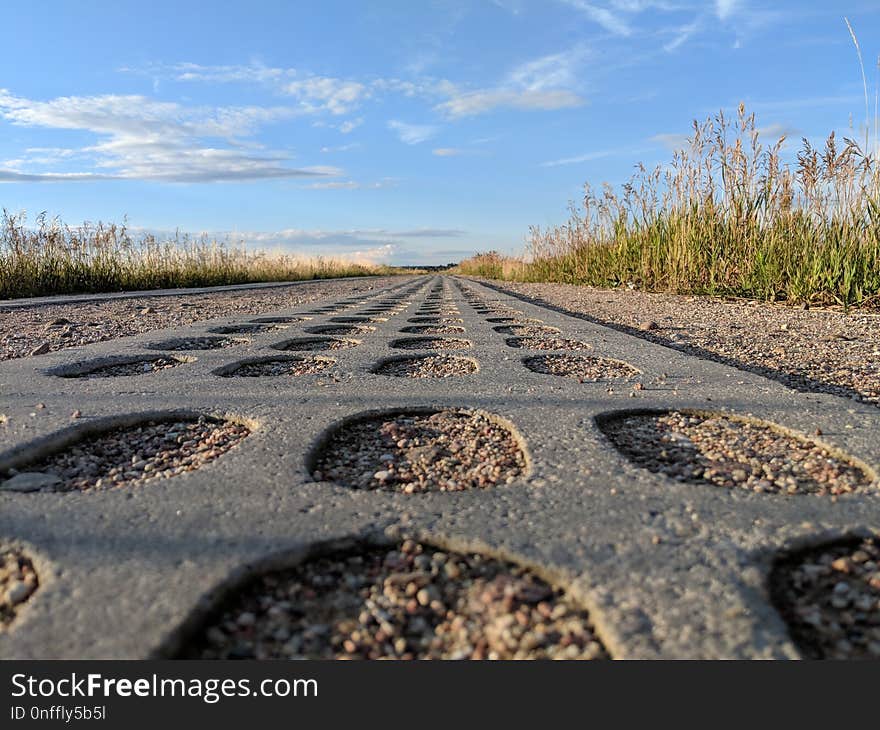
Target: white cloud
x,y
351,185
548,82
141,138
480,102
412,133
589,156
725,8
554,71
252,73
7,176
315,94
341,148
447,152
350,125
611,21
777,130
370,243
322,93
681,35
429,233
672,140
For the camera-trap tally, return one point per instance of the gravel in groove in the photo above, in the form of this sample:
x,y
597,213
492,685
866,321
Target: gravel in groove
x,y
315,344
247,328
196,343
139,367
411,601
431,343
547,343
527,330
289,367
134,455
341,329
427,366
433,329
18,583
830,597
439,452
581,367
718,450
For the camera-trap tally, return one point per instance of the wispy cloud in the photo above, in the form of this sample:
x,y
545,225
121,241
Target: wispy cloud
x,y
322,93
480,102
554,71
725,8
341,148
412,133
548,82
314,94
349,125
682,34
141,138
776,130
769,133
589,156
447,152
12,176
428,233
351,185
369,243
672,141
609,19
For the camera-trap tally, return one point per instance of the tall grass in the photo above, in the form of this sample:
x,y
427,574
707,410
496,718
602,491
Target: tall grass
x,y
50,257
727,216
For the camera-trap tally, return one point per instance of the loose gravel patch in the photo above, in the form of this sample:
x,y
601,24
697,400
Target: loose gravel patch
x,y
130,455
128,367
341,329
830,597
445,451
433,329
246,329
527,330
547,343
290,366
410,601
715,449
18,583
427,366
582,368
196,343
430,343
315,344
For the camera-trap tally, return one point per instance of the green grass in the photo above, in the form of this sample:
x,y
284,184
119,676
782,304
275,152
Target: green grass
x,y
726,217
52,258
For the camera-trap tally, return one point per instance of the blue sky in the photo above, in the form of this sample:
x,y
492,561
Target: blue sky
x,y
413,132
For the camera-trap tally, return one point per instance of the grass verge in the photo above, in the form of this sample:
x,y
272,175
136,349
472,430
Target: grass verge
x,y
726,217
53,258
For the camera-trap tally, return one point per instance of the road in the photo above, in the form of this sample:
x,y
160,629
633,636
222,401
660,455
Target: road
x,y
665,567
